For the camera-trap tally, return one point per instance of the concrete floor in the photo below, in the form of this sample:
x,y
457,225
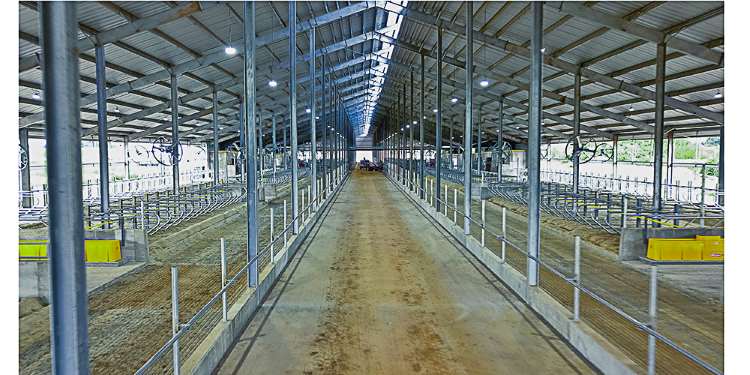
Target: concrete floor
x,y
378,289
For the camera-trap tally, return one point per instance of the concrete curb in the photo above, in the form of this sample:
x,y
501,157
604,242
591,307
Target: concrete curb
x,y
592,346
209,354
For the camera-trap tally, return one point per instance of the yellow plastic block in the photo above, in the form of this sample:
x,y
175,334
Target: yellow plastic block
x,y
102,251
32,249
713,247
674,249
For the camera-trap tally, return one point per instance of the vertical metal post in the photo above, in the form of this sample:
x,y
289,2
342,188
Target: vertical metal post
x,y
421,130
28,198
469,114
68,298
720,198
293,110
223,254
273,142
455,205
411,121
250,141
175,320
534,143
313,127
215,120
445,197
484,202
101,117
175,100
324,181
661,52
273,257
500,142
285,224
577,276
502,243
576,138
652,315
439,119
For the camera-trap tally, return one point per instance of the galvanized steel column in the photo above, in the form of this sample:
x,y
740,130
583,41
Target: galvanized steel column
x,y
576,136
421,130
250,141
215,121
411,122
175,134
721,166
467,126
101,121
661,62
23,138
479,139
439,120
68,297
313,128
534,142
324,180
293,109
273,141
501,118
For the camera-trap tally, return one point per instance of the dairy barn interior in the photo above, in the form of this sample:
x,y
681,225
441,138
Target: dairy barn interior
x,y
370,187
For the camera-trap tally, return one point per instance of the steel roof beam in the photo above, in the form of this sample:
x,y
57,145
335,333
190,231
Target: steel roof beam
x,y
564,65
637,30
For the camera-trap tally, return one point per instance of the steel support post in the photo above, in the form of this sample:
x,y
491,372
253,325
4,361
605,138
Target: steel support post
x,y
325,124
479,140
670,157
251,142
293,110
68,297
721,166
439,119
28,199
661,62
411,122
313,127
175,155
501,119
273,142
421,129
576,134
467,126
215,121
534,143
101,117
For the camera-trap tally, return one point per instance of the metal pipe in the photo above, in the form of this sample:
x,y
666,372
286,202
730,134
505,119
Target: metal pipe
x,y
101,117
439,119
175,320
68,297
661,52
577,276
250,134
721,167
28,199
223,255
501,119
421,130
534,143
293,110
576,134
468,125
652,315
215,120
411,122
324,103
175,155
313,128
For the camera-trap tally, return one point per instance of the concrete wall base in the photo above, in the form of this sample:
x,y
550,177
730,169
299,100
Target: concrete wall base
x,y
592,346
209,354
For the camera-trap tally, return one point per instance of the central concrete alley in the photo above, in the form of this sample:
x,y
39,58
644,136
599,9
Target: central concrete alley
x,y
378,289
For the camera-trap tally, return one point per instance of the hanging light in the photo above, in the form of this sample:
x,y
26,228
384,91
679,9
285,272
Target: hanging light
x,y
454,100
272,83
317,117
631,109
308,110
434,110
718,94
414,122
543,50
35,96
484,83
229,50
117,109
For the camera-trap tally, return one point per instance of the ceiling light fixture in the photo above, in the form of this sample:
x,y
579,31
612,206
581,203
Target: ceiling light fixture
x,y
272,83
229,50
631,109
718,94
308,110
434,110
484,83
35,95
454,100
